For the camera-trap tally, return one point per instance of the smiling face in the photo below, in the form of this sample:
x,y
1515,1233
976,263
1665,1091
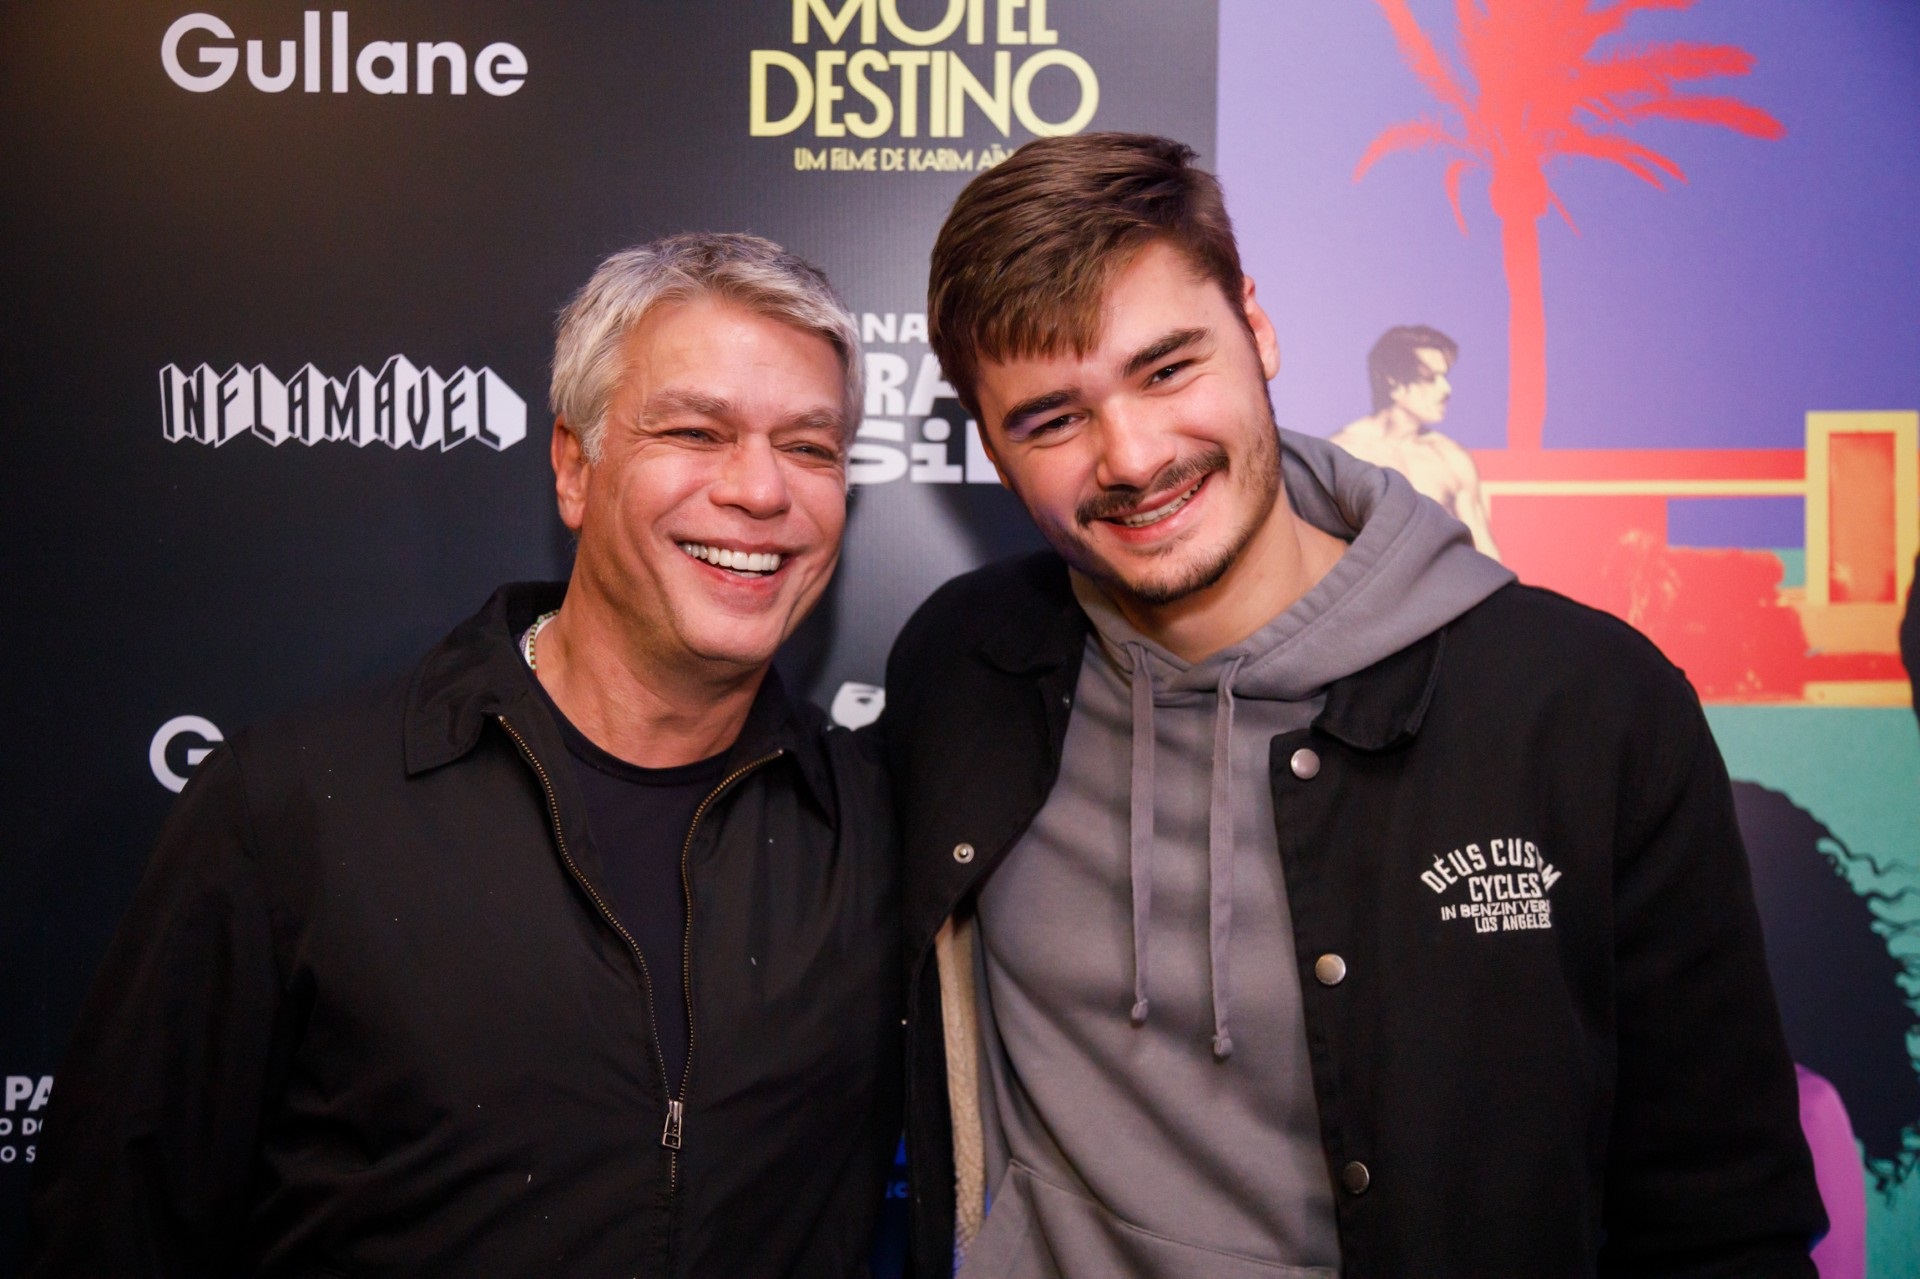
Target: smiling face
x,y
1424,399
711,522
1151,462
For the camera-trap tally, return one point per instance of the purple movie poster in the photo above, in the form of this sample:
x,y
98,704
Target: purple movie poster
x,y
1648,271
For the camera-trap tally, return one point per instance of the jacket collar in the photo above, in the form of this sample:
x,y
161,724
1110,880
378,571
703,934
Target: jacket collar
x,y
1373,709
1384,705
477,673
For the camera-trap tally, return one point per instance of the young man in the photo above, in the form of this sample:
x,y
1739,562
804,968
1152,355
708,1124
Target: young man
x,y
1288,891
574,951
1408,370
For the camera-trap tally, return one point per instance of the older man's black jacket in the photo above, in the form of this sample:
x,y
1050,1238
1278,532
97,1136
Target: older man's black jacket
x,y
369,1014
1500,1095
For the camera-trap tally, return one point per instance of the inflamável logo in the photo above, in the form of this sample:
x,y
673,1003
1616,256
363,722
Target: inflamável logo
x,y
201,53
403,406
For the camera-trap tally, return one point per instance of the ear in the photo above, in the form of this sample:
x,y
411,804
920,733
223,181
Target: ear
x,y
1265,340
571,470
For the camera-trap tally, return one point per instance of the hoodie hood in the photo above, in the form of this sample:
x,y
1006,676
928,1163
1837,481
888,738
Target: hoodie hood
x,y
1409,569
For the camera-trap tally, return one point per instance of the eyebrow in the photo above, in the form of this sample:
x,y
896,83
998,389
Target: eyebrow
x,y
667,403
672,402
816,420
1146,357
1035,405
1152,354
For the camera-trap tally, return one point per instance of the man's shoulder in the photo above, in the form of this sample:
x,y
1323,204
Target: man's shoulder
x,y
265,782
1523,632
361,718
1027,591
1565,691
979,640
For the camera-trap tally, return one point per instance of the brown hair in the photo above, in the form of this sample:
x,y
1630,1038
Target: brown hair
x,y
1395,359
1027,253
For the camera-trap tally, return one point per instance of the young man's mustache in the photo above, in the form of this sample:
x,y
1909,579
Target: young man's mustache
x,y
1124,499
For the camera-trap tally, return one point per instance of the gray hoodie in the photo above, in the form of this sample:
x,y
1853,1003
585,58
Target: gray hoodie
x,y
1148,1102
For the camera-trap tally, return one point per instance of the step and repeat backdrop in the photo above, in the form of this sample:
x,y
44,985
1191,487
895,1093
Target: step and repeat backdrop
x,y
279,286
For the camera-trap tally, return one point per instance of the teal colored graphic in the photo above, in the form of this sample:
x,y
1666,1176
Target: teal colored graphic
x,y
1858,771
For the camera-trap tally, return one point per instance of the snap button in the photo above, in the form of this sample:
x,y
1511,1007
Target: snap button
x,y
1305,764
1330,970
963,853
1356,1178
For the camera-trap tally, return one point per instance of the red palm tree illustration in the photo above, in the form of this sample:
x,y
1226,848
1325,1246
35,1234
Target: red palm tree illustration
x,y
1539,91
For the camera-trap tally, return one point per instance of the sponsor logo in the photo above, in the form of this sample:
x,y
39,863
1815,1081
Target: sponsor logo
x,y
201,53
21,1101
402,406
914,427
185,740
858,69
1506,885
857,705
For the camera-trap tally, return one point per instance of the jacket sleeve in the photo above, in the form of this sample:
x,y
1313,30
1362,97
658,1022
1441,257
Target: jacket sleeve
x,y
1708,1173
154,1126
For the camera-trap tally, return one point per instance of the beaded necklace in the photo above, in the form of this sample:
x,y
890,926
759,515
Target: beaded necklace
x,y
526,641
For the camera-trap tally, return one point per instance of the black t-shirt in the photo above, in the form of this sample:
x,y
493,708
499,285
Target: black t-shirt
x,y
639,819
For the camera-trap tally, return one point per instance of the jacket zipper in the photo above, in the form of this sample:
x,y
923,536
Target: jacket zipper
x,y
670,1134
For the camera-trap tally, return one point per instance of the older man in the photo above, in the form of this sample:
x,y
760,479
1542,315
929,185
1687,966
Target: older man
x,y
572,951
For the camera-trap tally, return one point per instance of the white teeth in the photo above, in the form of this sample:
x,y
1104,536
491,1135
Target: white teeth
x,y
1161,513
757,562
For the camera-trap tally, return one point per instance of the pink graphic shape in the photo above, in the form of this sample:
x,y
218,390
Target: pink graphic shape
x,y
1836,1169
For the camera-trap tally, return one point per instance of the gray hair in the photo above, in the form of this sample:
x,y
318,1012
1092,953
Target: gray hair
x,y
745,269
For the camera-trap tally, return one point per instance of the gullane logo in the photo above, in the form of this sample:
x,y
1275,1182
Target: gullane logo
x,y
401,406
201,53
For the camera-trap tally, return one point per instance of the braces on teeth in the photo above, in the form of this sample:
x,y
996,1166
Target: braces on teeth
x,y
1153,517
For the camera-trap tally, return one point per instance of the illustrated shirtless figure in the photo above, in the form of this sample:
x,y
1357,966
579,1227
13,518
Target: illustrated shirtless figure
x,y
1408,368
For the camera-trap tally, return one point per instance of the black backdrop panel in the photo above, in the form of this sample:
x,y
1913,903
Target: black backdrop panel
x,y
189,256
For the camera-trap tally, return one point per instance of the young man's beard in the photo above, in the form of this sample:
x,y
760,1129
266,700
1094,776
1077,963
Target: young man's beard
x,y
1263,476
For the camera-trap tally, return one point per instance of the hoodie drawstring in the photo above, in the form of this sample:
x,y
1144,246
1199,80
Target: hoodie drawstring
x,y
1220,858
1219,842
1140,825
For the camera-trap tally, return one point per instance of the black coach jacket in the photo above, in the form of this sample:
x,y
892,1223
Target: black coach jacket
x,y
370,1014
1542,1036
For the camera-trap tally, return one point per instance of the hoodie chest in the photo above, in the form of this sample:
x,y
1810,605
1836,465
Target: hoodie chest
x,y
1059,913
